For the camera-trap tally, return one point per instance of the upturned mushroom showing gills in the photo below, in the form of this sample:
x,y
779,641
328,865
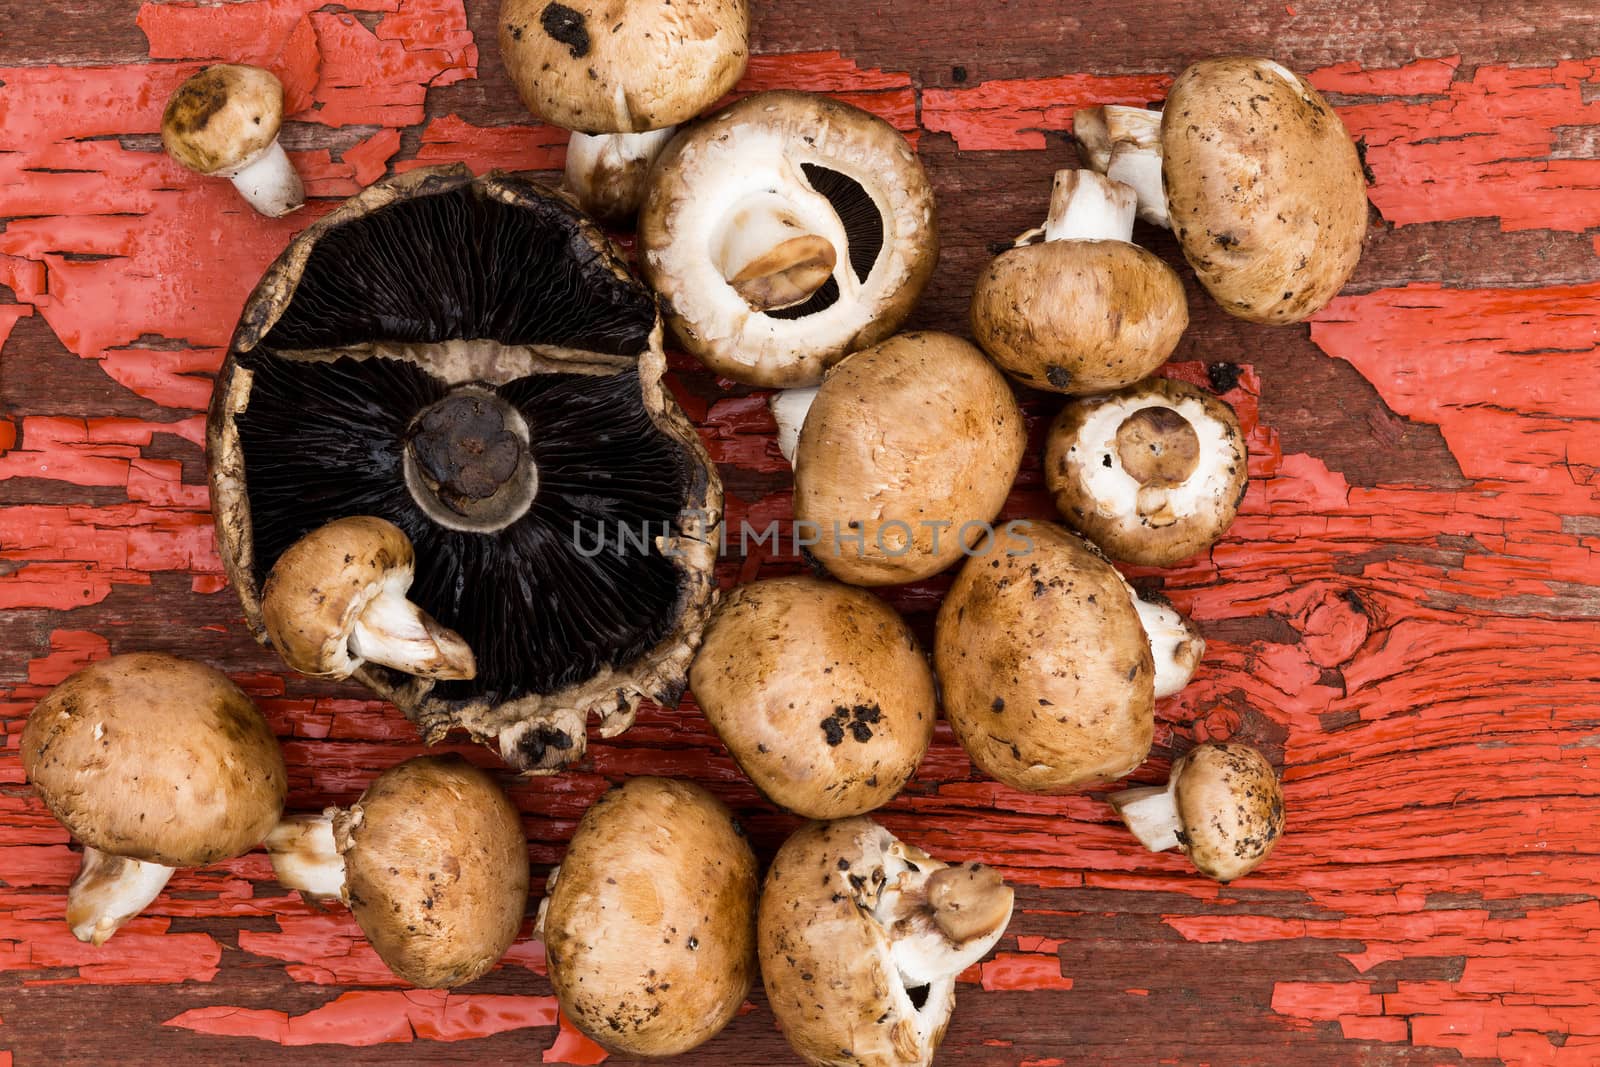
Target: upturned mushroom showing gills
x,y
1076,307
621,74
1222,806
649,922
154,763
862,937
470,361
785,232
905,457
431,862
224,122
1152,473
1255,174
1046,672
820,692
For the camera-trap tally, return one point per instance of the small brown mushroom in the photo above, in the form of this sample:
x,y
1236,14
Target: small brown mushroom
x,y
431,861
1222,805
905,457
154,763
1046,671
1152,473
862,937
649,922
336,599
223,121
1076,307
820,692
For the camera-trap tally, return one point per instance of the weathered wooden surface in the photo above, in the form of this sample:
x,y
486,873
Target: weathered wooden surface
x,y
1407,613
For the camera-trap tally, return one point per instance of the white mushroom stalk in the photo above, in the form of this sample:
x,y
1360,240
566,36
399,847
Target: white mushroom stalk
x,y
1151,812
269,182
608,172
789,410
394,632
777,248
1175,644
305,856
1124,144
108,891
1086,206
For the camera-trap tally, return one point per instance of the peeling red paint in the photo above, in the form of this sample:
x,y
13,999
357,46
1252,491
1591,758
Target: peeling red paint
x,y
362,1017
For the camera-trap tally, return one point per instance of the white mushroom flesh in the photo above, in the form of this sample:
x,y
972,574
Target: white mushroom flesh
x,y
789,410
394,632
1151,812
108,891
305,857
608,171
1174,643
1085,206
1124,144
269,182
1116,493
771,220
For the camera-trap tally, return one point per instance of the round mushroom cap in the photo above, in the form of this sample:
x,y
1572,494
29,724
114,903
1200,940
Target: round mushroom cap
x,y
1231,807
862,937
223,117
623,66
906,456
320,586
1264,188
820,692
649,922
1079,316
436,869
1152,473
1047,676
856,182
156,758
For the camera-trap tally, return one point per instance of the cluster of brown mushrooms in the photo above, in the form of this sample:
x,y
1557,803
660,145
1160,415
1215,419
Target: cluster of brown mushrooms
x,y
445,397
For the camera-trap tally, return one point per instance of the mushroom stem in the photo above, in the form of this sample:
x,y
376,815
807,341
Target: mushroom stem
x,y
1175,644
1151,812
1086,206
789,410
270,183
608,172
940,924
305,857
772,256
394,632
110,890
1124,144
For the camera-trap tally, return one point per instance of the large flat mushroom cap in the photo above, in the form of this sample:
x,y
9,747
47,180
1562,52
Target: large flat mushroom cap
x,y
1047,676
156,758
1231,807
436,869
222,117
1264,188
623,66
413,356
649,922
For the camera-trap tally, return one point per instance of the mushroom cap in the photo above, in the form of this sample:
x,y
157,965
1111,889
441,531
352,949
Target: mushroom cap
x,y
820,692
320,586
827,928
918,431
436,869
1047,677
1078,316
1152,473
623,66
1231,807
1264,188
157,759
649,923
494,299
875,185
223,117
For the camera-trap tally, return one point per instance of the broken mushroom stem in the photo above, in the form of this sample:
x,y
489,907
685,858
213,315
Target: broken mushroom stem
x,y
305,857
394,632
1086,206
778,248
1151,812
789,411
942,923
269,182
1124,144
1175,644
108,891
609,172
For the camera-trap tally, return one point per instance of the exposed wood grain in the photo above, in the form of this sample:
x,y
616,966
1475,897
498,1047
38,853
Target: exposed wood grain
x,y
1406,615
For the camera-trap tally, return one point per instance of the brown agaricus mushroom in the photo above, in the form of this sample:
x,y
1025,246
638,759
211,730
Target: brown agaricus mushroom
x,y
1256,175
785,232
1046,671
1222,805
431,861
905,457
820,692
154,763
862,937
649,922
223,122
620,74
1175,642
1152,473
1077,307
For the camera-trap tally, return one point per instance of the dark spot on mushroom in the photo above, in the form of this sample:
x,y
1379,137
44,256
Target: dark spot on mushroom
x,y
693,942
516,33
567,26
861,732
1058,376
833,730
844,864
958,74
999,705
1227,240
